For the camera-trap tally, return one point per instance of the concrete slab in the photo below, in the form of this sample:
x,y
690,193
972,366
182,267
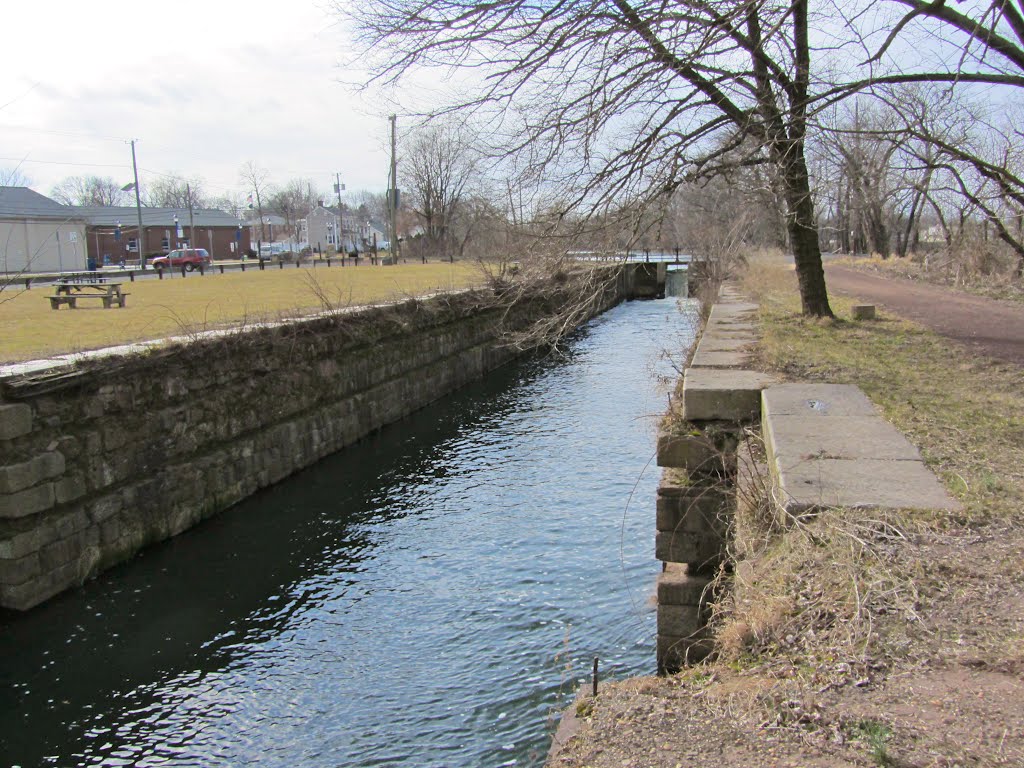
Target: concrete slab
x,y
733,310
797,438
816,401
828,446
718,342
711,358
862,483
731,329
732,395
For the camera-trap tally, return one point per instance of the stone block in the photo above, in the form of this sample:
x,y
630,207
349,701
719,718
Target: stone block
x,y
829,447
70,523
22,597
114,437
21,544
718,342
15,420
18,477
52,463
729,311
681,620
69,488
863,311
690,452
677,587
706,510
732,329
729,395
105,508
27,502
61,552
68,446
701,552
20,570
110,532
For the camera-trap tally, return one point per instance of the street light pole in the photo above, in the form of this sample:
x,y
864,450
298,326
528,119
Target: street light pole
x,y
138,208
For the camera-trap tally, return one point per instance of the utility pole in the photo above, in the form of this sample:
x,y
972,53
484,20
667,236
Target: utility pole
x,y
393,194
191,219
138,208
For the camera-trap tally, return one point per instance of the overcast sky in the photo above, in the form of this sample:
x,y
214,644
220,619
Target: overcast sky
x,y
204,86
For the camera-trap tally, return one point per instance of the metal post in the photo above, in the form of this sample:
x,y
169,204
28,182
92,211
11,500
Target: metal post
x,y
341,226
393,192
138,208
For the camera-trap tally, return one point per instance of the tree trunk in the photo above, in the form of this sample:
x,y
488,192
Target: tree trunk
x,y
878,233
803,232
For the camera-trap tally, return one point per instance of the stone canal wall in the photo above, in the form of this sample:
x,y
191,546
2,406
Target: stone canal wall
x,y
826,446
101,459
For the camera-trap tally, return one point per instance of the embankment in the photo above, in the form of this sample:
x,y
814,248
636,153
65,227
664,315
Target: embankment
x,y
102,459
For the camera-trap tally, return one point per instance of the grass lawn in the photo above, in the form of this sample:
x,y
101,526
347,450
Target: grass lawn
x,y
29,329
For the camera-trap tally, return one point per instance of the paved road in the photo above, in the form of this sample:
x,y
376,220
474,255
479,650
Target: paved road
x,y
988,326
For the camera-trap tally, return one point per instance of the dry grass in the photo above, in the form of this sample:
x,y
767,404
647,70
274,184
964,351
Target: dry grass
x,y
965,413
176,306
847,598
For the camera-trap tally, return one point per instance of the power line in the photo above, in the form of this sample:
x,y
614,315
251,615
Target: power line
x,y
77,134
62,162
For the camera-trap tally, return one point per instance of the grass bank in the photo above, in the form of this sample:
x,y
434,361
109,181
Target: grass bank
x,y
30,329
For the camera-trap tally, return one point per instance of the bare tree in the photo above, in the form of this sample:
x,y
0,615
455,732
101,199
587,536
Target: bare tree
x,y
293,201
89,191
231,202
13,177
255,179
624,102
440,162
176,192
965,149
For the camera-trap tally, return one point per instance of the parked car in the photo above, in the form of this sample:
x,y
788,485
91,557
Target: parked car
x,y
189,258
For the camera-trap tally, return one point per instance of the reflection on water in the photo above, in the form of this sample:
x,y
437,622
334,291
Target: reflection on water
x,y
428,597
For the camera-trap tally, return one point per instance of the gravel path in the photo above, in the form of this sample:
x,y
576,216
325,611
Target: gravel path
x,y
988,326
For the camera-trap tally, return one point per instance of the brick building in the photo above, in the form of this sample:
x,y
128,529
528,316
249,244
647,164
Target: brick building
x,y
163,230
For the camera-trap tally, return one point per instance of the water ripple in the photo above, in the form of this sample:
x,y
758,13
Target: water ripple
x,y
428,597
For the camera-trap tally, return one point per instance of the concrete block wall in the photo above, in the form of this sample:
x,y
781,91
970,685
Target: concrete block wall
x,y
696,498
99,461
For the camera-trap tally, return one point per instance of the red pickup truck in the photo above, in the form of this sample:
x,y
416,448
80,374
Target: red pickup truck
x,y
189,258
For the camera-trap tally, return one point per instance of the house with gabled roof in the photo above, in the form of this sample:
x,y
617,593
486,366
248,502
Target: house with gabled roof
x,y
38,234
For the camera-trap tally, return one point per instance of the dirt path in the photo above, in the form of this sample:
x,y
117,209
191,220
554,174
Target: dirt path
x,y
988,326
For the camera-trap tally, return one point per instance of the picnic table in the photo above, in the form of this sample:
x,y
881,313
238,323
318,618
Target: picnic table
x,y
71,291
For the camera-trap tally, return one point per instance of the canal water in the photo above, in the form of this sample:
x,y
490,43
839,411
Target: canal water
x,y
428,597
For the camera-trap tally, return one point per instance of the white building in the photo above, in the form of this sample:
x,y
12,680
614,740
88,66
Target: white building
x,y
38,234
